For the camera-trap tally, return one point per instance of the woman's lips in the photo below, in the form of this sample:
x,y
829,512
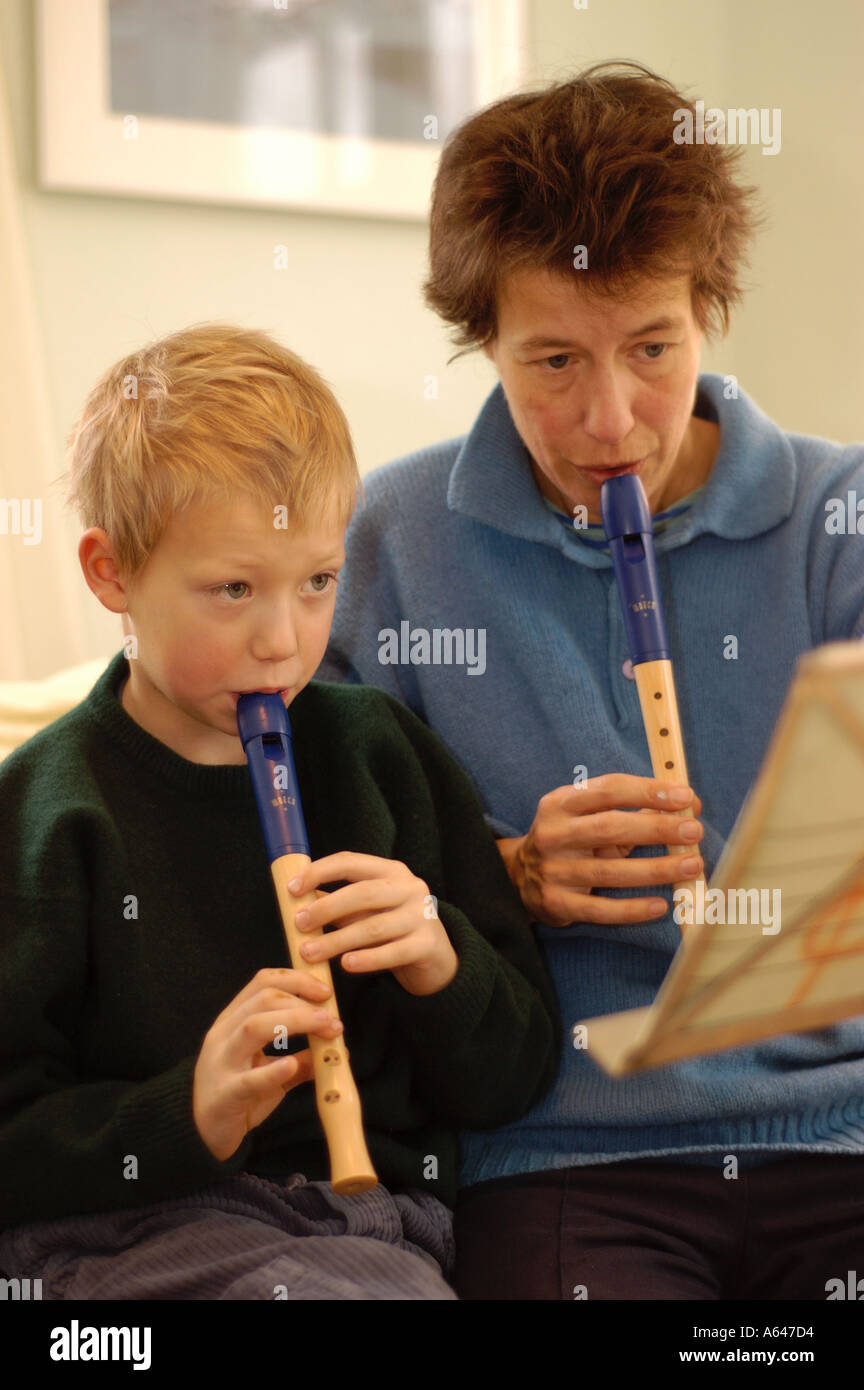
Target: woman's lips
x,y
598,476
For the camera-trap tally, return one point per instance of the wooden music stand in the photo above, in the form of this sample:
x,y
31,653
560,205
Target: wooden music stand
x,y
800,830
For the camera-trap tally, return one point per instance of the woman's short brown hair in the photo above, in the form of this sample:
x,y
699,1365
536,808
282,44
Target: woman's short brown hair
x,y
587,162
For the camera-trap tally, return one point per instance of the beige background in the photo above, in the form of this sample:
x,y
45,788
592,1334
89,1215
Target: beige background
x,y
84,279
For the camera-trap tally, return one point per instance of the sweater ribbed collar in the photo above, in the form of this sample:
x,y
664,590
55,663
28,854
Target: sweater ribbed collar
x,y
225,780
750,489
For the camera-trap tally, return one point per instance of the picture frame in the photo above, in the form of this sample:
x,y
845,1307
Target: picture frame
x,y
85,145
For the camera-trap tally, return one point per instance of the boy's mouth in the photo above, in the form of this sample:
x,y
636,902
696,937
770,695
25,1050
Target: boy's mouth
x,y
235,694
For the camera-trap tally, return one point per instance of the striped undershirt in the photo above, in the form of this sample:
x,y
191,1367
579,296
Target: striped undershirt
x,y
595,536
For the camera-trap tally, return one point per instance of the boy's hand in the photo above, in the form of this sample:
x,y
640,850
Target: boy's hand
x,y
384,908
235,1085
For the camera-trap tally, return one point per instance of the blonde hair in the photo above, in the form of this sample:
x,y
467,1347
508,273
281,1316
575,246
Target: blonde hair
x,y
203,415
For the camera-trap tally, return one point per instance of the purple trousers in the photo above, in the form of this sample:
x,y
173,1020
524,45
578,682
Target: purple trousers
x,y
648,1230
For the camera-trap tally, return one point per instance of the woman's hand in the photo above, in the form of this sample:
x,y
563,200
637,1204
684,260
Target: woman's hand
x,y
579,841
387,920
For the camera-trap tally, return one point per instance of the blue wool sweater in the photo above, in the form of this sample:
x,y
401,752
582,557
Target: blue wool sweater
x,y
457,535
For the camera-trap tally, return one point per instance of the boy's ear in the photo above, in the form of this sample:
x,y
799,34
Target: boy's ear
x,y
96,556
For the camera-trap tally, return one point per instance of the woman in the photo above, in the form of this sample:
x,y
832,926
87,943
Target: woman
x,y
587,251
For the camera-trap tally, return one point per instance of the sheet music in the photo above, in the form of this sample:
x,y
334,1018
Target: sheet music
x,y
793,868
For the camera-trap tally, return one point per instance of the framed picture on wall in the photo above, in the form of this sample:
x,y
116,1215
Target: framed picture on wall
x,y
326,105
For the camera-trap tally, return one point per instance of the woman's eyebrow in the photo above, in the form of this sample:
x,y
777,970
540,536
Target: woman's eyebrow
x,y
656,326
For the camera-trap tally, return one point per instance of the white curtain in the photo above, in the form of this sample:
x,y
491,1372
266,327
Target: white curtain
x,y
40,615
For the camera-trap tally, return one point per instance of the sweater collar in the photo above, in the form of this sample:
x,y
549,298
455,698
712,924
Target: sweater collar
x,y
208,780
751,487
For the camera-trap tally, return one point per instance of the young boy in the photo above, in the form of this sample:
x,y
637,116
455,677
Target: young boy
x,y
150,1147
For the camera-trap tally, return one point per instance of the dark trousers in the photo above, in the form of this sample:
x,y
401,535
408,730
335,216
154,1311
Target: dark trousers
x,y
643,1230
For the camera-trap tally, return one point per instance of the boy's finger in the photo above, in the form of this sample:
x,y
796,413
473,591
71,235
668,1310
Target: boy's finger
x,y
383,928
352,903
286,1072
301,1071
276,977
259,1030
344,865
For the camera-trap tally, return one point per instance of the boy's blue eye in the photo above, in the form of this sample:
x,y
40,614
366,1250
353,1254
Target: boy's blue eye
x,y
231,584
225,589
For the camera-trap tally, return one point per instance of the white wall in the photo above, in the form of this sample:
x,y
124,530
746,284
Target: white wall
x,y
109,273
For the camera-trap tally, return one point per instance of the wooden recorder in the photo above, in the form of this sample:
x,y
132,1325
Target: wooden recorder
x,y
265,731
630,533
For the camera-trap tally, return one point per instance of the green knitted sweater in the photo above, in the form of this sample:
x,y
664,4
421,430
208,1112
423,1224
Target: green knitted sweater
x,y
136,901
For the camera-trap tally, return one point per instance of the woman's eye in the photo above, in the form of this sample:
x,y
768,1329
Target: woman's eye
x,y
653,351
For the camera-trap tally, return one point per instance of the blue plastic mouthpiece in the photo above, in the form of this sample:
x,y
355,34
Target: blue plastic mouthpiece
x,y
265,731
629,531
